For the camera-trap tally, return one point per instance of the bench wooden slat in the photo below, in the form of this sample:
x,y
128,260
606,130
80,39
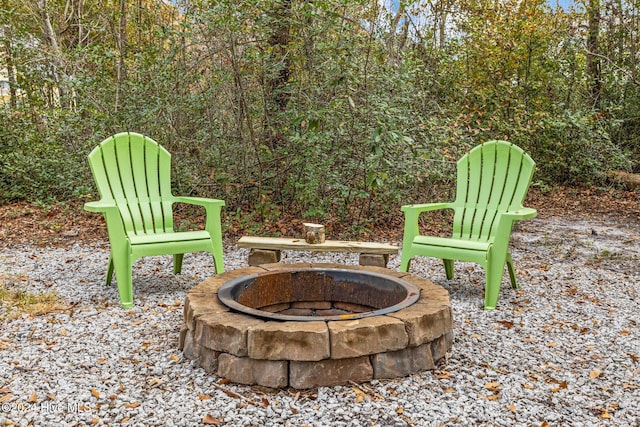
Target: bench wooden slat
x,y
276,243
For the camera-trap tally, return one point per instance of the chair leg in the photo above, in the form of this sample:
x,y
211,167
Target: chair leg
x,y
512,272
405,262
177,263
218,259
448,268
109,271
492,286
125,282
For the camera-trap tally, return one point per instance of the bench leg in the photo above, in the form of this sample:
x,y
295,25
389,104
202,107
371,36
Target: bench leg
x,y
374,260
263,256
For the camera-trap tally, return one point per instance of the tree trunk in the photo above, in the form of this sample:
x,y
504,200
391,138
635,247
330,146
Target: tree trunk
x,y
55,54
593,58
121,41
276,84
11,72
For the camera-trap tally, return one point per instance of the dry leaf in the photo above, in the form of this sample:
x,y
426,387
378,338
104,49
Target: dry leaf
x,y
507,324
625,332
6,397
448,390
64,332
101,360
51,396
552,344
605,415
359,394
121,388
95,420
265,402
156,381
132,405
95,393
211,420
400,410
174,358
203,396
444,375
512,408
5,390
493,386
594,374
113,397
33,398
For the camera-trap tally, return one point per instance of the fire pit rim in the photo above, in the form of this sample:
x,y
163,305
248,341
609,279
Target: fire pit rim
x,y
224,295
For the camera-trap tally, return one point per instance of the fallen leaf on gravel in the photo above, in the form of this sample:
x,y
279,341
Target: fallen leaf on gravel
x,y
174,358
400,410
51,396
512,408
5,390
448,390
507,324
594,374
605,414
33,398
95,393
528,386
444,375
360,395
6,397
113,396
211,420
552,344
64,332
132,405
624,333
561,386
101,360
155,382
633,357
204,396
492,386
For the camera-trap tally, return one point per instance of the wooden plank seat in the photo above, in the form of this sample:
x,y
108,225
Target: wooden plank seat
x,y
266,250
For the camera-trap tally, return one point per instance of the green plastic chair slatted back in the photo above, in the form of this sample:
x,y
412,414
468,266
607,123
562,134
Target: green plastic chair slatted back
x,y
134,171
492,178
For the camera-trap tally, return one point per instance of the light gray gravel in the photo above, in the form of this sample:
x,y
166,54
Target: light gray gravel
x,y
563,350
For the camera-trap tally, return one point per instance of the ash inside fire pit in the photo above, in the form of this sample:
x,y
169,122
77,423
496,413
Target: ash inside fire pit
x,y
320,294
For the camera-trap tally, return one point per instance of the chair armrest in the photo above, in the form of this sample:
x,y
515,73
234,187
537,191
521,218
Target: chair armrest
x,y
522,213
424,207
99,206
200,201
212,208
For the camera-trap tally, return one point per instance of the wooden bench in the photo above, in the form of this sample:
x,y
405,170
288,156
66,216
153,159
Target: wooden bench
x,y
265,250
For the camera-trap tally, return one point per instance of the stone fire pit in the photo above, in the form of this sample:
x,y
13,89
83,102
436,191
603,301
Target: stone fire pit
x,y
310,325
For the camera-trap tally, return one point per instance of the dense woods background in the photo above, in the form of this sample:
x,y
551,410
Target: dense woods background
x,y
342,108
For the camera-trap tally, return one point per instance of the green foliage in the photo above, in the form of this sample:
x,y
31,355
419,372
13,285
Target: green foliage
x,y
325,109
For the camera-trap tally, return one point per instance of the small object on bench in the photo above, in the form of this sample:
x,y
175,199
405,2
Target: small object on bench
x,y
313,233
265,250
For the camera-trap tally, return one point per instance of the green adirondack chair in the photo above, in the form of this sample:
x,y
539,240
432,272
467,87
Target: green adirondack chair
x,y
492,182
133,175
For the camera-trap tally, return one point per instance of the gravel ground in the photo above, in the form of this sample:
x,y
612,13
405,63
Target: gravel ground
x,y
563,350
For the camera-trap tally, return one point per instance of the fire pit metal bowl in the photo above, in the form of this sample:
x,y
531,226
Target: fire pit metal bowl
x,y
310,325
317,294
